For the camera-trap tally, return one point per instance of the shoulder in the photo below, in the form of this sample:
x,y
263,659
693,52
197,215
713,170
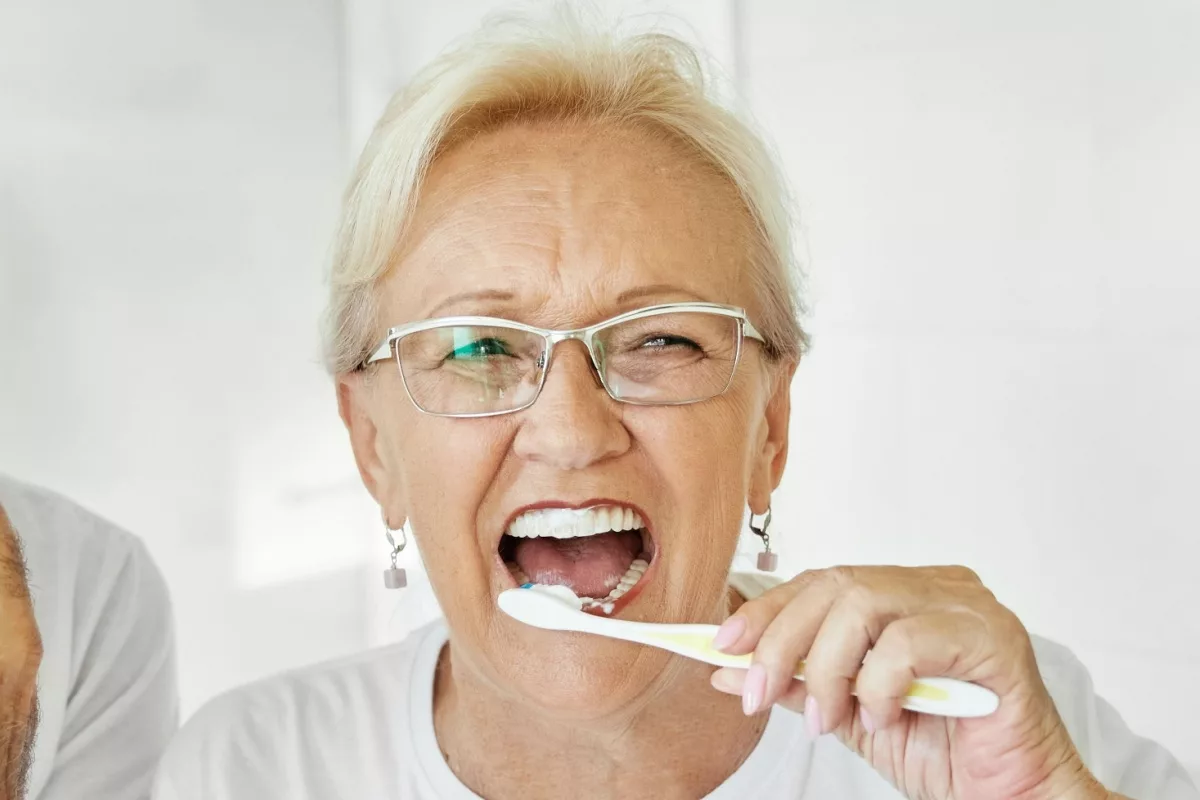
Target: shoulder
x,y
314,695
271,734
106,686
57,533
88,577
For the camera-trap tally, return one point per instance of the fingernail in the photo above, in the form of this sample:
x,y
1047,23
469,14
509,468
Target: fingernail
x,y
729,632
754,688
867,722
812,717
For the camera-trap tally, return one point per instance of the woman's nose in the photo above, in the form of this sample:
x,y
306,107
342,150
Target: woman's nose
x,y
574,422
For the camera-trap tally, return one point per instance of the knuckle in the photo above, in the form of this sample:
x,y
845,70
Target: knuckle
x,y
842,576
898,642
859,597
823,675
775,599
759,611
805,580
769,646
751,610
775,642
964,573
1009,625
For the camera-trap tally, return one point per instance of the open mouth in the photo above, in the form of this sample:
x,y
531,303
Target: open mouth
x,y
602,552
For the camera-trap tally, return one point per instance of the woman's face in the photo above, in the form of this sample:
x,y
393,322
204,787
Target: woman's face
x,y
563,228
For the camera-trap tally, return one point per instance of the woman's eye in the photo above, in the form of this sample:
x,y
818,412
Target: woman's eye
x,y
664,341
480,348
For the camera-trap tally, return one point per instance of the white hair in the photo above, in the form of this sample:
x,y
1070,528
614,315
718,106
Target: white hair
x,y
517,69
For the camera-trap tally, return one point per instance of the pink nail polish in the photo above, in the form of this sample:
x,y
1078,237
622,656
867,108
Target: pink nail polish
x,y
754,689
812,717
867,722
729,632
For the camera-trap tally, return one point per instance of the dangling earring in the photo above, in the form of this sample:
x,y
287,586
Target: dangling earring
x,y
767,561
394,577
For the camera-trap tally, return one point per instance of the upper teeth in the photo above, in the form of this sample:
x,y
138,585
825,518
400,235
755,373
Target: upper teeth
x,y
567,523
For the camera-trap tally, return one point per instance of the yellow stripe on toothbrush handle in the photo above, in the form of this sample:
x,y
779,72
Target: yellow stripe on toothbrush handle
x,y
699,642
927,692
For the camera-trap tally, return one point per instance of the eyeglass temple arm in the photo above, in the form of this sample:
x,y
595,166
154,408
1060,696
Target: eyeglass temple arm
x,y
748,329
384,351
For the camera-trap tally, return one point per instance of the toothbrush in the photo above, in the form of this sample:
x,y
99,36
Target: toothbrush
x,y
557,608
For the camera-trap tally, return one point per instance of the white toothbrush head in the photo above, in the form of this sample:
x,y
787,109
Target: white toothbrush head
x,y
554,608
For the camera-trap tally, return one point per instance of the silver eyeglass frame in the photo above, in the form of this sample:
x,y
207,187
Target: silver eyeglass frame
x,y
387,348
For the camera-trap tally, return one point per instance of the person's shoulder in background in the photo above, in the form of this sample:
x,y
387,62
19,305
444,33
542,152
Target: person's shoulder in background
x,y
107,690
341,728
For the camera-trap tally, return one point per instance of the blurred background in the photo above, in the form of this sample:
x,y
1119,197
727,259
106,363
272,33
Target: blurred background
x,y
999,202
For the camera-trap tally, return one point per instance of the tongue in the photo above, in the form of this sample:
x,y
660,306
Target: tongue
x,y
591,565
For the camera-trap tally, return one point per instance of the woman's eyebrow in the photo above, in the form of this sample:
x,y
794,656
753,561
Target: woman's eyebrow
x,y
657,290
494,295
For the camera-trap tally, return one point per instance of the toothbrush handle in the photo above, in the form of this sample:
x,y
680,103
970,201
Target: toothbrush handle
x,y
944,697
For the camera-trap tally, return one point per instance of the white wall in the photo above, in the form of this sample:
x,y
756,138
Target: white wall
x,y
996,195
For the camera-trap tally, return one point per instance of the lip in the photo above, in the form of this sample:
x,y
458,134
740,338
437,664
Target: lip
x,y
507,581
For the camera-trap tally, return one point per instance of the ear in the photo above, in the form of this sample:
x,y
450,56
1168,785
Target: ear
x,y
354,398
772,444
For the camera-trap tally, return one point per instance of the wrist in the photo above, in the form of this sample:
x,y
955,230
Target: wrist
x,y
1080,784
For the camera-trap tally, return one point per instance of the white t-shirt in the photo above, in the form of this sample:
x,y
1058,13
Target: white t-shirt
x,y
362,727
106,687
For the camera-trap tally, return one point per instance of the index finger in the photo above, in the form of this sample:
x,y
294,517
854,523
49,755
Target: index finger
x,y
741,633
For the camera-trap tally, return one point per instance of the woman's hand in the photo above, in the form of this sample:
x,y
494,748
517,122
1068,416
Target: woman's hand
x,y
20,656
934,621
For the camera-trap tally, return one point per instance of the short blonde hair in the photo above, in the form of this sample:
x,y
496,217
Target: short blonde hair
x,y
515,70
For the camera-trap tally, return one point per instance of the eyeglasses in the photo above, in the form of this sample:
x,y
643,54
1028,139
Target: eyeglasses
x,y
670,354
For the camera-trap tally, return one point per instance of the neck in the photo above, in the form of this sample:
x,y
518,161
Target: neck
x,y
684,741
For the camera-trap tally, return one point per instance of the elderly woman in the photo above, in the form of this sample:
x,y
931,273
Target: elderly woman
x,y
563,330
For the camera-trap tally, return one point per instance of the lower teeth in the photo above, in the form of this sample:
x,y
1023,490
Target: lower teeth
x,y
627,581
631,576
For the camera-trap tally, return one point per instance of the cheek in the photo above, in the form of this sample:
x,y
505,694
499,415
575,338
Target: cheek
x,y
445,468
702,455
701,449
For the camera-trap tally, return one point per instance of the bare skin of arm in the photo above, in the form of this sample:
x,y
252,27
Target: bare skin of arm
x,y
20,656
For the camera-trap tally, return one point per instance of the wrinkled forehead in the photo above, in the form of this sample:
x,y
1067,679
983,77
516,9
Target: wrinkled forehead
x,y
555,224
